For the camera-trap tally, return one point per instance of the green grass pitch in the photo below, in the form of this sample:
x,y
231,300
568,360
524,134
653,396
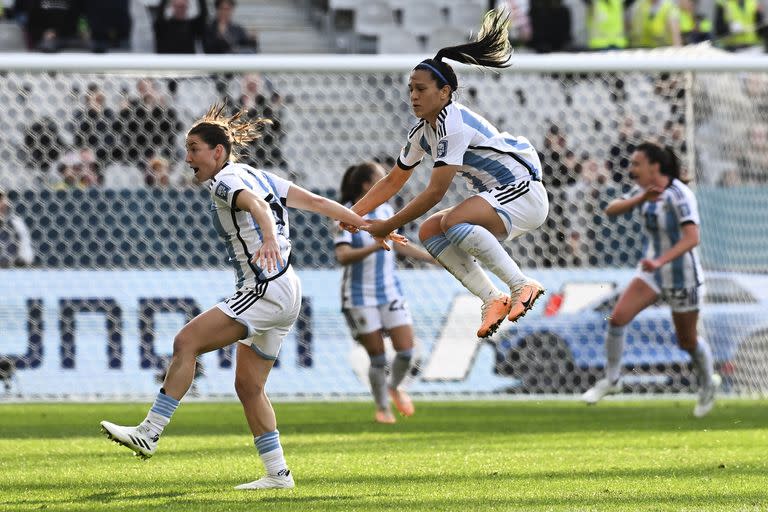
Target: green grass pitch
x,y
464,456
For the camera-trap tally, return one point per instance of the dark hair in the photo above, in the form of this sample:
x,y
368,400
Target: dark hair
x,y
352,182
217,3
668,161
215,128
489,49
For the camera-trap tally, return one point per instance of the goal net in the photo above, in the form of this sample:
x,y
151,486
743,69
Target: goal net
x,y
123,252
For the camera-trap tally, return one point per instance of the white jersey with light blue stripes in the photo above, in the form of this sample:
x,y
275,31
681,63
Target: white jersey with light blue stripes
x,y
238,229
663,221
372,281
488,158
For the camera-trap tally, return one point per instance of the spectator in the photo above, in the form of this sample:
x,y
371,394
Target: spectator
x,y
605,24
655,23
95,126
224,36
260,103
738,23
519,23
147,126
77,170
15,242
178,33
43,143
550,26
52,26
694,27
754,162
110,24
158,173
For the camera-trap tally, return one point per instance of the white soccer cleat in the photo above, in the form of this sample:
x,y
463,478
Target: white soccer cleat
x,y
601,388
706,400
284,481
139,439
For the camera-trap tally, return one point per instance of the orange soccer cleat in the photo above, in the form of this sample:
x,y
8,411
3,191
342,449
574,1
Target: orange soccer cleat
x,y
402,402
524,297
386,417
493,313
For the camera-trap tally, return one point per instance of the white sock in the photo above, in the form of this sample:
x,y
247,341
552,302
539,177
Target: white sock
x,y
462,266
703,362
271,452
377,375
160,414
614,347
479,242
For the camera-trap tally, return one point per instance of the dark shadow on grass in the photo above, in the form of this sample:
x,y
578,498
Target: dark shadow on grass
x,y
461,418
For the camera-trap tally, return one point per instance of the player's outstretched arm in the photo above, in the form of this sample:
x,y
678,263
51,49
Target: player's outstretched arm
x,y
303,199
268,255
382,190
624,205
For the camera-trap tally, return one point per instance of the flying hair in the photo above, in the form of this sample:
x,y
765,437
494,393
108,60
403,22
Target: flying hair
x,y
490,49
232,132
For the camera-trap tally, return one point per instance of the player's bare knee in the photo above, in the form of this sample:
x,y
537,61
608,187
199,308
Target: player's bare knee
x,y
184,345
430,227
247,389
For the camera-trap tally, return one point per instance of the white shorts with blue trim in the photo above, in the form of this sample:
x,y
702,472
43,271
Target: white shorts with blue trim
x,y
680,300
521,206
268,312
367,319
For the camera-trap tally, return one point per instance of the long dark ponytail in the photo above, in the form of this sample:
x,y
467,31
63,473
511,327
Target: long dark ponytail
x,y
669,162
353,180
490,49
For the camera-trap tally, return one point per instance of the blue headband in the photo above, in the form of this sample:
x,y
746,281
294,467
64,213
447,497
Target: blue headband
x,y
425,64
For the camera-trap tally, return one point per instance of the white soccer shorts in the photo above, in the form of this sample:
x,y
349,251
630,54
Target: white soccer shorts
x,y
367,319
268,312
522,206
680,300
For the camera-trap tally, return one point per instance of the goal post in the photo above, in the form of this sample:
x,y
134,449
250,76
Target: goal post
x,y
92,163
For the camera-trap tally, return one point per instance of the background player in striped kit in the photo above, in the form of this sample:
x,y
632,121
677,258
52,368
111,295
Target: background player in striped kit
x,y
371,297
249,212
502,171
670,269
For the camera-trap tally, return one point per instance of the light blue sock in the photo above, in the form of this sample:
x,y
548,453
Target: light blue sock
x,y
377,375
271,452
400,367
160,414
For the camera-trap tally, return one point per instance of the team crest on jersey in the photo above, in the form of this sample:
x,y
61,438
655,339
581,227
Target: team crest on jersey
x,y
222,190
442,148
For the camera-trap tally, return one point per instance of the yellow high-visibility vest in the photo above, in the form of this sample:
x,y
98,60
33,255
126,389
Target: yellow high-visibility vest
x,y
649,30
688,23
605,23
745,17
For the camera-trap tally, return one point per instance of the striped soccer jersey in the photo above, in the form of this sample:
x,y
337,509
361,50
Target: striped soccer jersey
x,y
488,158
238,229
663,220
372,281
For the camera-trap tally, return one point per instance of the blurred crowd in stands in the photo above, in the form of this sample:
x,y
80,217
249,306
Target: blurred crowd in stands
x,y
190,26
105,25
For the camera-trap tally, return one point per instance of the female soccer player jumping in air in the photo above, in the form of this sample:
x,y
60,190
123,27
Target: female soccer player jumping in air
x,y
670,269
371,298
503,171
249,213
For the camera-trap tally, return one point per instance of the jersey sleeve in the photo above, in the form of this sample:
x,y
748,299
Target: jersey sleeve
x,y
686,208
277,185
451,149
342,236
226,188
412,153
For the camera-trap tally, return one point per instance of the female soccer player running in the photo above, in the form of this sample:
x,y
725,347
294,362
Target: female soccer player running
x,y
670,269
502,170
371,297
249,213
